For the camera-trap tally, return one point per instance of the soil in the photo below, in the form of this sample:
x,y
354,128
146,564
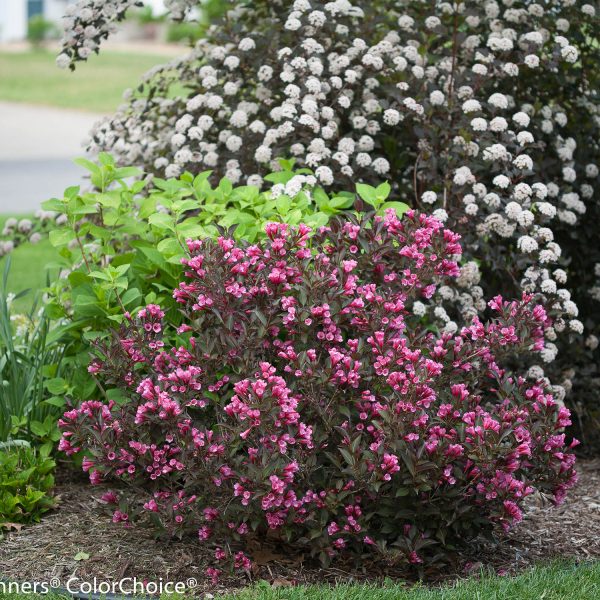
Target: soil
x,y
80,529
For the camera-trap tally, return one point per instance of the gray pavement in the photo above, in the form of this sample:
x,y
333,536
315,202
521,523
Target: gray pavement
x,y
37,148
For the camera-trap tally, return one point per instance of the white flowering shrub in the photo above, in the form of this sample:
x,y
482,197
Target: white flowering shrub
x,y
484,113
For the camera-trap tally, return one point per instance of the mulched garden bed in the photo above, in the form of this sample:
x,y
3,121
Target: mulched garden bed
x,y
80,525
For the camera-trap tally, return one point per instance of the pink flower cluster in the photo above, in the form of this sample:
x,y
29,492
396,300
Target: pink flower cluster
x,y
305,399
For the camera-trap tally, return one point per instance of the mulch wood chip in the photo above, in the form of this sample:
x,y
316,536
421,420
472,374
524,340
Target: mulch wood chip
x,y
79,540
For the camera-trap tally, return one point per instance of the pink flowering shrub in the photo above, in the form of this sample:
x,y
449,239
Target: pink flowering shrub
x,y
307,401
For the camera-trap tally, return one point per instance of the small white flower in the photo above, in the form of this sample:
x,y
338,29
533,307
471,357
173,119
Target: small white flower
x,y
498,124
432,22
381,166
247,44
63,61
524,138
437,98
498,100
463,175
325,175
549,286
405,22
501,181
523,162
440,214
419,309
391,117
479,124
570,54
470,106
532,61
429,197
592,342
513,210
293,24
576,326
521,118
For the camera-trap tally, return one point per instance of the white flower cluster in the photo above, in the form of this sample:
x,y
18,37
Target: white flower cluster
x,y
88,22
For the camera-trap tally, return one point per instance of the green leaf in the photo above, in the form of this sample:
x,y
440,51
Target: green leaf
x,y
109,199
39,429
81,556
225,186
87,306
341,202
401,207
383,190
317,220
169,246
190,228
374,196
147,207
350,460
77,278
88,165
56,386
104,158
54,204
125,172
130,296
162,221
367,193
61,237
283,204
55,401
100,275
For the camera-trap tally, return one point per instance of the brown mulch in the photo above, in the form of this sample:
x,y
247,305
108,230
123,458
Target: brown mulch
x,y
80,525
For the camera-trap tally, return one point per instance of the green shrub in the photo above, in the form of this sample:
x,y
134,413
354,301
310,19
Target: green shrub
x,y
26,479
40,29
187,32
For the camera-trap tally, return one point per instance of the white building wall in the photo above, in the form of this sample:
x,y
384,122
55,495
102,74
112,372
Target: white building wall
x,y
13,16
158,6
54,10
13,20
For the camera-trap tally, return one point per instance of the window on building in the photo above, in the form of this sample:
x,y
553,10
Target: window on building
x,y
35,7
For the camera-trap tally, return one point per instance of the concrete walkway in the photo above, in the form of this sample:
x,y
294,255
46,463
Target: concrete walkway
x,y
37,147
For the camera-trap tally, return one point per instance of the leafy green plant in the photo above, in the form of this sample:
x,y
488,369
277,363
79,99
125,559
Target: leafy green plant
x,y
39,30
186,32
30,355
26,480
121,244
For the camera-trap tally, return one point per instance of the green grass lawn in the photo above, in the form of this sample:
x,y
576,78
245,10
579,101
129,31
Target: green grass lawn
x,y
28,268
33,77
96,85
554,582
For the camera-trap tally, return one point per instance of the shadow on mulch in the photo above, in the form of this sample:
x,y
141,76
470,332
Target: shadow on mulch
x,y
48,549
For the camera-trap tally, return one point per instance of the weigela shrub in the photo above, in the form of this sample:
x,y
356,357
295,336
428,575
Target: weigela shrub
x,y
485,113
309,402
